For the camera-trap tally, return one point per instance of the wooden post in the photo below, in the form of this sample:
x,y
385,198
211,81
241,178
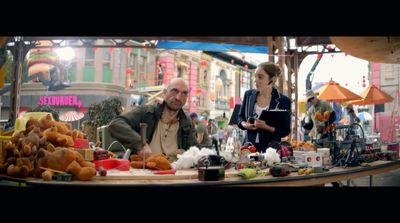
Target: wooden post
x,y
289,65
296,81
18,57
281,62
271,50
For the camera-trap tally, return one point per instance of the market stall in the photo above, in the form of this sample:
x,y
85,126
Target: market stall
x,y
65,158
21,160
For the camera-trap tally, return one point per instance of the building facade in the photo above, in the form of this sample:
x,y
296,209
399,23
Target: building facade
x,y
97,74
387,116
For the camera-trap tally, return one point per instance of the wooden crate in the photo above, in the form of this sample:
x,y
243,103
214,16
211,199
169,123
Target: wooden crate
x,y
3,141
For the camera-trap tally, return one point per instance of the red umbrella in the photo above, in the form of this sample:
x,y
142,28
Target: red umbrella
x,y
71,116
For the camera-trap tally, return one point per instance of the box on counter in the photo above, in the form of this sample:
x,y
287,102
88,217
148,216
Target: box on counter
x,y
101,154
395,148
313,159
299,156
326,155
81,143
87,154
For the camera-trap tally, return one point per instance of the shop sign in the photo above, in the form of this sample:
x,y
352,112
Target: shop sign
x,y
222,65
206,57
151,88
62,100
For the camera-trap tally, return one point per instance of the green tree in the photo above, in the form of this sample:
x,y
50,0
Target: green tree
x,y
101,114
9,62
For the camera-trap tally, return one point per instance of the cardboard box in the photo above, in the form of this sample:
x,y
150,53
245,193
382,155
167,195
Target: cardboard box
x,y
395,148
313,159
81,143
326,157
87,154
299,156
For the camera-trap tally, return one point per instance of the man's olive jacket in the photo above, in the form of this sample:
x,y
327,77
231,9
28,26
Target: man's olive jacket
x,y
126,127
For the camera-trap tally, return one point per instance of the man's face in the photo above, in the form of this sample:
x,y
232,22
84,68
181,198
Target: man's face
x,y
175,96
313,101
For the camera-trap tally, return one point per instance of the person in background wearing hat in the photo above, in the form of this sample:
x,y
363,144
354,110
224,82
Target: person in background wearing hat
x,y
203,138
170,130
354,130
264,97
310,123
352,115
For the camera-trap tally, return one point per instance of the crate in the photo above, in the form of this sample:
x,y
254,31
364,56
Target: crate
x,y
395,148
3,141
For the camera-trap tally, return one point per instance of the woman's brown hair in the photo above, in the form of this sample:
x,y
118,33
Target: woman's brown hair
x,y
271,69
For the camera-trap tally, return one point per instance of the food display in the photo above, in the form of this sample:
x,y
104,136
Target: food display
x,y
156,162
302,145
42,149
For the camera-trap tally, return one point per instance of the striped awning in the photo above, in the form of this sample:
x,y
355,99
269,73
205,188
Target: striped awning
x,y
71,116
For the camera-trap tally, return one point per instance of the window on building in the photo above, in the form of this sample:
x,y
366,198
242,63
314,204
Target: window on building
x,y
140,78
71,71
143,65
132,60
224,88
205,74
219,88
89,57
132,69
106,58
180,72
200,101
199,79
160,74
245,79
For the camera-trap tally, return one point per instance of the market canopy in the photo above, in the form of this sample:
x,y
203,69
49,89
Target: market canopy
x,y
373,95
382,49
209,46
332,91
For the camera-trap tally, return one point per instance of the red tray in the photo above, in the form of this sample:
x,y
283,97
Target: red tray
x,y
119,164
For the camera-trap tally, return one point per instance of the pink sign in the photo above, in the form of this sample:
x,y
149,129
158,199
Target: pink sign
x,y
67,100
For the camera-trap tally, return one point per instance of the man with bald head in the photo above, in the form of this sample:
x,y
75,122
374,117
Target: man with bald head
x,y
169,130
